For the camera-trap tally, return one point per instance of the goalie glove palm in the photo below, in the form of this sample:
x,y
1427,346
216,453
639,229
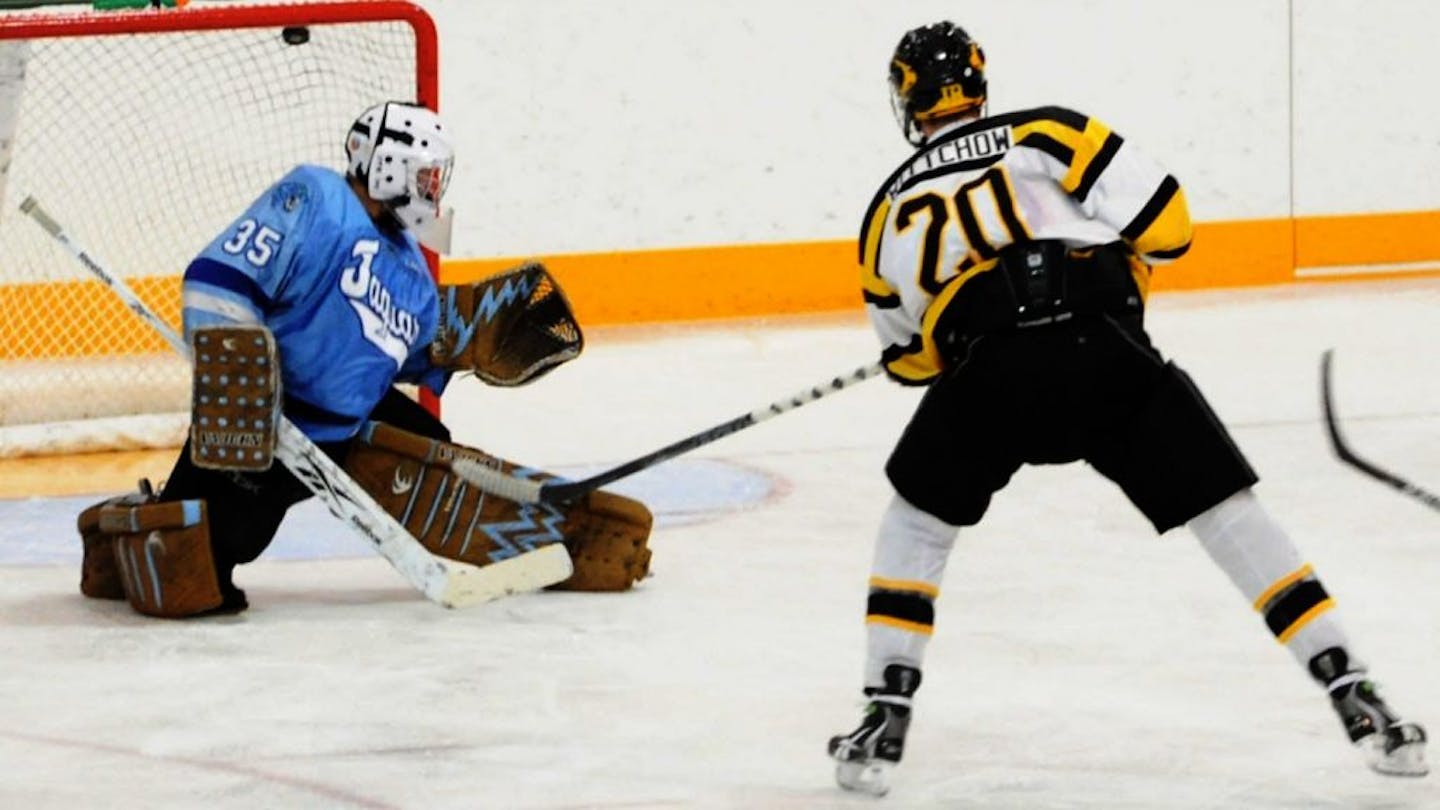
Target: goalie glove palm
x,y
508,329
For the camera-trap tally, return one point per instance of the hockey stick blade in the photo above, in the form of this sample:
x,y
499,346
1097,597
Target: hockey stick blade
x,y
1342,448
449,583
559,491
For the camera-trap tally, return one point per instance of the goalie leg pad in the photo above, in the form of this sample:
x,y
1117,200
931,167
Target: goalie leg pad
x,y
163,554
607,536
99,571
235,406
410,477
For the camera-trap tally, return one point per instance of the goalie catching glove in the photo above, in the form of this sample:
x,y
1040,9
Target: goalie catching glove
x,y
410,477
508,329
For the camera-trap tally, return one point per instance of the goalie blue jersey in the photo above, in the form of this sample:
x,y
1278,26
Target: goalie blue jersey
x,y
352,305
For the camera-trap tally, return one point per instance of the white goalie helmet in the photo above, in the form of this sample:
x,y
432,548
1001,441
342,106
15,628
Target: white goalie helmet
x,y
403,154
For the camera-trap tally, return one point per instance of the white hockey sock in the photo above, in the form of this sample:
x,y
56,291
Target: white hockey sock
x,y
1259,557
910,555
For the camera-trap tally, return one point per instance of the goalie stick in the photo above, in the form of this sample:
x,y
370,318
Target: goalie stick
x,y
561,491
1342,449
446,582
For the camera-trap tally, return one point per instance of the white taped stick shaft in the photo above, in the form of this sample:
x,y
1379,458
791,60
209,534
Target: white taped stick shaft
x,y
496,482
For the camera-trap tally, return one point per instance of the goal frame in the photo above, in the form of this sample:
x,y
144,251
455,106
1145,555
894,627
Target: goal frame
x,y
91,23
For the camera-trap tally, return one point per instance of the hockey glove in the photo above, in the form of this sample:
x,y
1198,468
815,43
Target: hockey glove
x,y
508,329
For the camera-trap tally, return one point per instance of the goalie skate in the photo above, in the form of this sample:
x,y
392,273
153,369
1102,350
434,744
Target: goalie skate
x,y
865,756
1392,746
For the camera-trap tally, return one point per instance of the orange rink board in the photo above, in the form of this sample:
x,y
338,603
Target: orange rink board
x,y
778,279
64,319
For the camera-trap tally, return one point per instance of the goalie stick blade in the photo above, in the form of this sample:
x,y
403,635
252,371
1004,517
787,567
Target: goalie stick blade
x,y
465,585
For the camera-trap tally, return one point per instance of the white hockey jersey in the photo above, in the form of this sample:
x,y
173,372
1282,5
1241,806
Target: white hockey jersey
x,y
976,187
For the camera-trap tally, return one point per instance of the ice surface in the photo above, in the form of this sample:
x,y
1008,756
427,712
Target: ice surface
x,y
1078,660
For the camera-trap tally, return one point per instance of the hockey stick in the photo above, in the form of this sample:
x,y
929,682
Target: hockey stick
x,y
557,492
447,582
1342,449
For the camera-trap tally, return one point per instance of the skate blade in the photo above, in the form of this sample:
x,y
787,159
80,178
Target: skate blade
x,y
1407,760
861,777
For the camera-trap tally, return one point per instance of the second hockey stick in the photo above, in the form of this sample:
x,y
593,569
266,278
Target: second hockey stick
x,y
560,491
1342,448
446,582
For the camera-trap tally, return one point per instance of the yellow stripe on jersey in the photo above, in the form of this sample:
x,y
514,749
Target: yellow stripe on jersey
x,y
914,368
910,585
1084,146
1162,230
870,280
919,364
942,302
1140,271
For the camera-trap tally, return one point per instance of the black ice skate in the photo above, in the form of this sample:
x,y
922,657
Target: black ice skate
x,y
864,756
1392,746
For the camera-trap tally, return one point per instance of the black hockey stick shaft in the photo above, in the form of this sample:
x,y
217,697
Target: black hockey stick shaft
x,y
1342,448
529,491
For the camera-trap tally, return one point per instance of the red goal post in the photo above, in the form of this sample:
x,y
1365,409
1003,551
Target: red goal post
x,y
146,132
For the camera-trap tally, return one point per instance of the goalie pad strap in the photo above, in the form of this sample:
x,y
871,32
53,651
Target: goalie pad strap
x,y
167,568
235,405
410,477
508,329
135,519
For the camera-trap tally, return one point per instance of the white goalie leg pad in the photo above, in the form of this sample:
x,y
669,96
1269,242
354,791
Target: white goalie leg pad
x,y
911,550
1256,553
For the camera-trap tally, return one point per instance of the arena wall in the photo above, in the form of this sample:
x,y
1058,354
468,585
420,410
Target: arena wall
x,y
714,159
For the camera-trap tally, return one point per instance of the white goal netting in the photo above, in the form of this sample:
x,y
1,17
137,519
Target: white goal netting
x,y
144,143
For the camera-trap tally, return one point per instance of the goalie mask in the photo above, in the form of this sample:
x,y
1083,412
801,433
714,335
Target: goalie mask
x,y
937,70
404,156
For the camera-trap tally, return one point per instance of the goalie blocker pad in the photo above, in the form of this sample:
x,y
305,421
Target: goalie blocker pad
x,y
410,477
508,329
235,406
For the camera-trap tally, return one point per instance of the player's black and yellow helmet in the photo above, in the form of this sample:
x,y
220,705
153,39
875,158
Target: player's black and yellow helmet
x,y
937,70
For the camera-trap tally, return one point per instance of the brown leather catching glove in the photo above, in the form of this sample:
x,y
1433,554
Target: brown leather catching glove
x,y
508,329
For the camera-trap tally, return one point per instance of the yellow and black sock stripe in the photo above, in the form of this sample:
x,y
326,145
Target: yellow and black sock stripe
x,y
907,605
1292,601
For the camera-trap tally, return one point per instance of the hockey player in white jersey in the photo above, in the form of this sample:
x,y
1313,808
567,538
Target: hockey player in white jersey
x,y
323,277
1005,265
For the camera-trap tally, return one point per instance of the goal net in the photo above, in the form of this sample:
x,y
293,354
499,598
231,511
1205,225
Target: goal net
x,y
145,133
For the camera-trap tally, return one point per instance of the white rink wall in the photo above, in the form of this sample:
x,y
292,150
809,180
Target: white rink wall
x,y
625,124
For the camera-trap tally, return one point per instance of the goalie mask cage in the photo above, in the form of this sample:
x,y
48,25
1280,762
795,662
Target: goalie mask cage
x,y
145,133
